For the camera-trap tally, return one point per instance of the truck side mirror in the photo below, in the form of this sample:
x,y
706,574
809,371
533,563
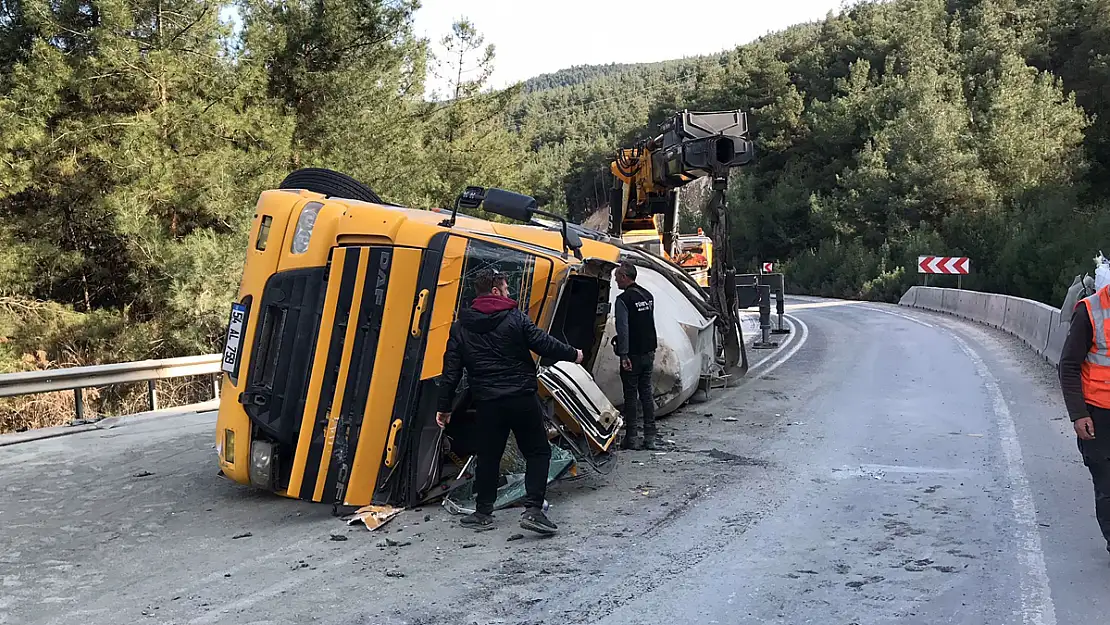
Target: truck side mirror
x,y
515,206
573,241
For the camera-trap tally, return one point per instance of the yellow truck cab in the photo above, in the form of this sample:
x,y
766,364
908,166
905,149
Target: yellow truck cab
x,y
337,334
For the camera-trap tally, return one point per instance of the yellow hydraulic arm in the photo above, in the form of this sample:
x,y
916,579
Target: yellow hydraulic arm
x,y
647,177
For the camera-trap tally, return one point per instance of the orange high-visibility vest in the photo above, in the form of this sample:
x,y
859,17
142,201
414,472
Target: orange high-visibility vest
x,y
1096,367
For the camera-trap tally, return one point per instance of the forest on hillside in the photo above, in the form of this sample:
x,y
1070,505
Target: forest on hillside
x,y
135,136
954,127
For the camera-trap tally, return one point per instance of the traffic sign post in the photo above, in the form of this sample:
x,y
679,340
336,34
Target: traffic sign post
x,y
958,266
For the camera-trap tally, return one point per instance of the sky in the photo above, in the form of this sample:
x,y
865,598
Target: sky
x,y
540,36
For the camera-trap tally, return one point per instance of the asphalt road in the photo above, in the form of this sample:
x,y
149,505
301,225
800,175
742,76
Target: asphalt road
x,y
882,466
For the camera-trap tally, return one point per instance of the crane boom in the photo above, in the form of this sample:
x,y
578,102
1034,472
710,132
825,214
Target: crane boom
x,y
643,206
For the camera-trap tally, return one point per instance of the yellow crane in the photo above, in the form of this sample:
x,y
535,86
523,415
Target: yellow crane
x,y
643,204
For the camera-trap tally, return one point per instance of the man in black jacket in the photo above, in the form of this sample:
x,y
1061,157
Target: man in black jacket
x,y
494,340
635,345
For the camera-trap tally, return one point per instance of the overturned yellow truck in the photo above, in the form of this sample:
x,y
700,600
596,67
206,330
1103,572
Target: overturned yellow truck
x,y
336,340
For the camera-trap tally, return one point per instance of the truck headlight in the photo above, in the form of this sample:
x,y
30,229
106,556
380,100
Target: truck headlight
x,y
262,463
227,452
305,223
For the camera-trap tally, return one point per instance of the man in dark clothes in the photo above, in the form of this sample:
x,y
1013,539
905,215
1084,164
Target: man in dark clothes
x,y
494,340
1085,381
635,345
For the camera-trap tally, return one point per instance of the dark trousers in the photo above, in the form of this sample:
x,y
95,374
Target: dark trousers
x,y
639,403
521,415
1096,456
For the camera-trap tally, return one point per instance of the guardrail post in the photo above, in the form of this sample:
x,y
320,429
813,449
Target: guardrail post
x,y
764,318
79,403
780,305
216,386
152,395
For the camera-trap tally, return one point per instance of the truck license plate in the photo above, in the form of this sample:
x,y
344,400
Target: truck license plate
x,y
234,338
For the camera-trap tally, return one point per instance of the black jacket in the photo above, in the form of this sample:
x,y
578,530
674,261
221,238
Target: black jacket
x,y
495,344
1076,347
635,321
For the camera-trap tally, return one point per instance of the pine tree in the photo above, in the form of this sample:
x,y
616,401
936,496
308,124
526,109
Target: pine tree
x,y
350,75
467,138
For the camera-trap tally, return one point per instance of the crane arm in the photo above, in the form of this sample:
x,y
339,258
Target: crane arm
x,y
643,203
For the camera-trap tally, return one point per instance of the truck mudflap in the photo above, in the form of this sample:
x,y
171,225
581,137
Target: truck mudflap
x,y
582,414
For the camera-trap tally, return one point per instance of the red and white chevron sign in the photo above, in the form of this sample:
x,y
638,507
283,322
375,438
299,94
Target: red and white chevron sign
x,y
768,267
954,265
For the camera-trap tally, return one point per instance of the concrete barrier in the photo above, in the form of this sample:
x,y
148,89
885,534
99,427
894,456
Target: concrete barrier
x,y
1041,326
972,305
1056,335
909,299
928,298
996,311
1036,324
1029,321
950,300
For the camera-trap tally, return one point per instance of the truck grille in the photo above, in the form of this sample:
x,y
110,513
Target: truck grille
x,y
281,356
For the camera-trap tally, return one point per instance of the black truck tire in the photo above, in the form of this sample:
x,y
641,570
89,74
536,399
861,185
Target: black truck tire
x,y
329,183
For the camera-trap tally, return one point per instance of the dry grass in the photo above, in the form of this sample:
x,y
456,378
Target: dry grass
x,y
50,409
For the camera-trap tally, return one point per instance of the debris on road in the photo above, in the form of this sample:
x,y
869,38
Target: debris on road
x,y
394,574
373,516
143,474
515,537
724,456
730,419
389,542
469,545
338,537
243,535
461,501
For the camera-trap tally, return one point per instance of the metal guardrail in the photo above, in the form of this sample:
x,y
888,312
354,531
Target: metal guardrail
x,y
79,378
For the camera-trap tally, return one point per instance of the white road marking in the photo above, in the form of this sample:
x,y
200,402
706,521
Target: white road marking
x,y
819,304
898,314
1037,607
774,353
793,349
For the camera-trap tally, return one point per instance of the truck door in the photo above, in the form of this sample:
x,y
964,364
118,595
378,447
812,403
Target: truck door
x,y
412,462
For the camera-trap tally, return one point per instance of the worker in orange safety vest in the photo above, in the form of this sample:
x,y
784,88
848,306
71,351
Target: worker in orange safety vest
x,y
1085,382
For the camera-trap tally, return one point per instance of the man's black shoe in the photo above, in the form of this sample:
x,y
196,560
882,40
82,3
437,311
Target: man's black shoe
x,y
535,520
477,519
